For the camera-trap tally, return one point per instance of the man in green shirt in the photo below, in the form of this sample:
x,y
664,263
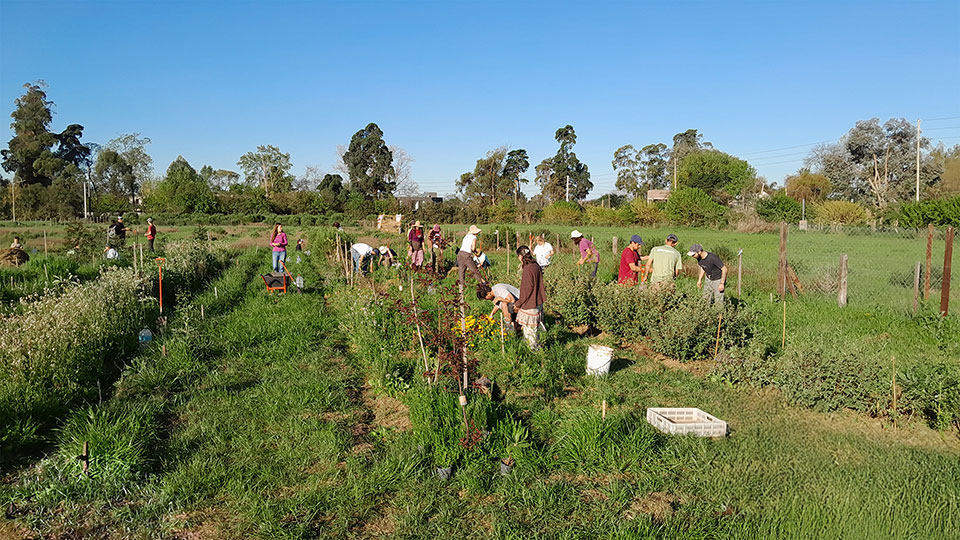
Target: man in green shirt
x,y
664,264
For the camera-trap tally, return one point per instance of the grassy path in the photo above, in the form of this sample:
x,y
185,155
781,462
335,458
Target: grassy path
x,y
258,424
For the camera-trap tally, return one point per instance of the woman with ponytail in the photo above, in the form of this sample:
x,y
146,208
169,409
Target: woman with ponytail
x,y
532,295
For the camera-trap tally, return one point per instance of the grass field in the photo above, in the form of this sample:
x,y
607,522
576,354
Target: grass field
x,y
304,416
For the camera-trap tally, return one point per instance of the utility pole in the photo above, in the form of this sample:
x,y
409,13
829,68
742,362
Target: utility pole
x,y
918,160
84,199
568,187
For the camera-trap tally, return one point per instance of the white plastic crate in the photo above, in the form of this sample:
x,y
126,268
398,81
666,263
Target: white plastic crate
x,y
686,420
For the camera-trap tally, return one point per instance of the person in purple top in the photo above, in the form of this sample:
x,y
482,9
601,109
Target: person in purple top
x,y
278,239
588,253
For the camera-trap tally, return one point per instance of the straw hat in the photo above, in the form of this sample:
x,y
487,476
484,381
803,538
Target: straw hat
x,y
473,230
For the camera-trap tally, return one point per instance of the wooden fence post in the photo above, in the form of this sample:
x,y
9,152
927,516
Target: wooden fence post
x,y
926,269
615,246
842,293
947,263
916,288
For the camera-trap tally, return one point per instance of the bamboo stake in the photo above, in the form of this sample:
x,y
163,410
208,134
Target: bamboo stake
x,y
716,347
502,349
202,316
603,410
739,271
44,242
215,293
916,288
926,269
416,318
463,330
893,388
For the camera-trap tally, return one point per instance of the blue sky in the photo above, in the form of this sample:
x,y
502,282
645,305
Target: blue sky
x,y
448,81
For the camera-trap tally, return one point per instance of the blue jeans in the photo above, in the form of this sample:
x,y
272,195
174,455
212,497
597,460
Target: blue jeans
x,y
360,263
277,257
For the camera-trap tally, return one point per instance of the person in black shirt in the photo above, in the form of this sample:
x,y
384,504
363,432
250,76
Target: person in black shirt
x,y
713,269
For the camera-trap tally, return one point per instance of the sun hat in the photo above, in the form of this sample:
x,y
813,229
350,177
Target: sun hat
x,y
149,220
576,234
473,230
383,249
694,249
672,237
636,239
436,228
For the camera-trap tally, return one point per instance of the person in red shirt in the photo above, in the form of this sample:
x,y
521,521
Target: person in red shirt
x,y
630,266
151,233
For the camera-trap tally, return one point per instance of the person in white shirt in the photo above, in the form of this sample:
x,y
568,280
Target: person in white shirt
x,y
504,297
465,256
543,252
362,255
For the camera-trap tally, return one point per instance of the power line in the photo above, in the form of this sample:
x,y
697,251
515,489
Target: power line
x,y
784,148
938,128
943,118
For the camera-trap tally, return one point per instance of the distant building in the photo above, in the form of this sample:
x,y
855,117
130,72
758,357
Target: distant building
x,y
416,202
658,195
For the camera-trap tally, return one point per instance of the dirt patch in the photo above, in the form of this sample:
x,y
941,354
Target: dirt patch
x,y
206,524
12,531
378,527
700,368
388,412
659,505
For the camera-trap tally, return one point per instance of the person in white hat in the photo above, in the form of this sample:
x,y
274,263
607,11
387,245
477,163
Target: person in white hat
x,y
588,252
415,238
388,257
465,255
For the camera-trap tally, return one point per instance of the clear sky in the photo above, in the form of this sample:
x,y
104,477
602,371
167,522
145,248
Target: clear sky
x,y
448,81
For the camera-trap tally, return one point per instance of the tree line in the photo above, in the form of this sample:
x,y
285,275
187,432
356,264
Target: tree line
x,y
873,166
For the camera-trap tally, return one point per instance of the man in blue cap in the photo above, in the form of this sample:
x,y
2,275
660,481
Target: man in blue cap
x,y
630,266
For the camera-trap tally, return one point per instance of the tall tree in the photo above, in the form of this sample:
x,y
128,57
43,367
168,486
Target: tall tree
x,y
486,181
71,150
515,165
653,162
885,158
626,164
267,164
113,175
31,139
182,190
133,148
564,176
370,163
685,143
402,176
714,171
808,186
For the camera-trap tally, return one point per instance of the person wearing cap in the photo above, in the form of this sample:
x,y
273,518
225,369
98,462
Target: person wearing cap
x,y
362,254
465,255
118,233
715,271
588,253
415,239
543,251
388,257
630,259
151,234
664,264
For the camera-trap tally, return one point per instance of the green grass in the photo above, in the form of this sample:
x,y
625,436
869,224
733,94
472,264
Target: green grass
x,y
256,424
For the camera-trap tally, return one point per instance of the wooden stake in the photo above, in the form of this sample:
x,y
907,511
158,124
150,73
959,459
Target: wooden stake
x,y
44,242
615,250
782,264
603,410
502,350
716,347
506,263
85,458
463,331
202,316
783,338
916,288
893,388
926,269
842,292
163,350
215,293
947,263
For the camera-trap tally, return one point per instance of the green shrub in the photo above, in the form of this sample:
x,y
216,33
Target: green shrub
x,y
840,213
569,294
645,213
561,213
936,211
933,391
778,208
599,215
693,206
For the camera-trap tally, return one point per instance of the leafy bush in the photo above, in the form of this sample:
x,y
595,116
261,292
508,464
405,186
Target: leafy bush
x,y
600,215
933,391
936,211
646,213
693,206
561,213
570,294
840,213
779,208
